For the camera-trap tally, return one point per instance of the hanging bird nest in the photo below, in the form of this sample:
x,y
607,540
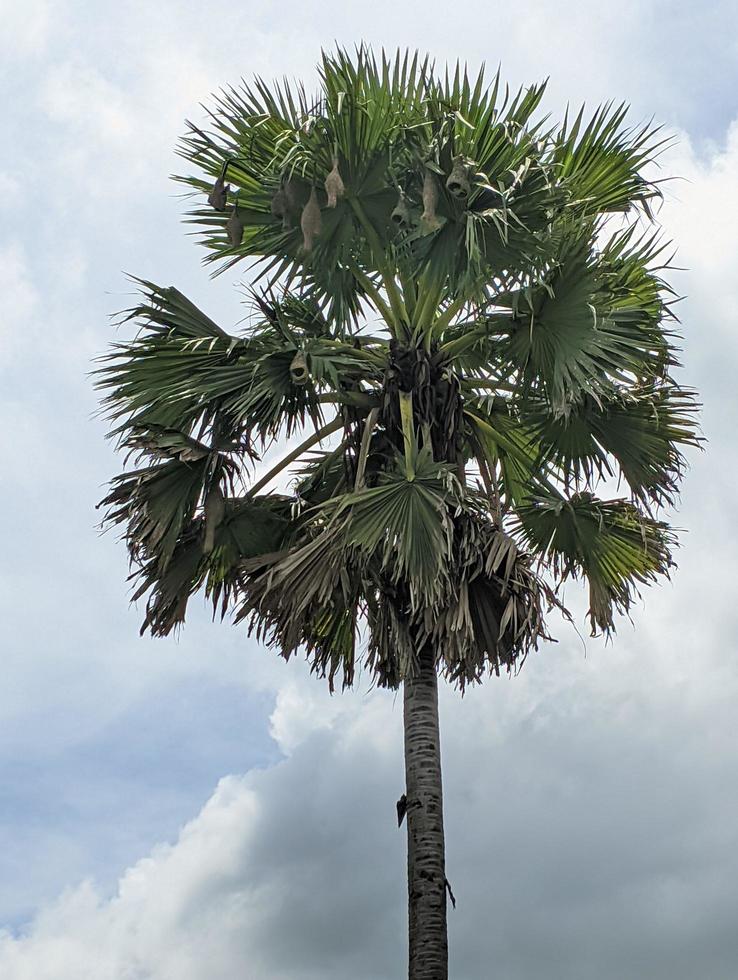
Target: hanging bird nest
x,y
311,221
235,226
219,193
401,215
334,186
294,193
299,372
280,206
288,201
458,183
431,221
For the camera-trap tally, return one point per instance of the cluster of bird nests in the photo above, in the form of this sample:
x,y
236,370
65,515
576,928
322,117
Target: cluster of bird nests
x,y
286,200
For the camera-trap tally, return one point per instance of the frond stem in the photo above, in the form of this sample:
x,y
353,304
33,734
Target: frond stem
x,y
409,293
428,301
371,290
366,438
452,310
361,399
316,437
408,432
399,320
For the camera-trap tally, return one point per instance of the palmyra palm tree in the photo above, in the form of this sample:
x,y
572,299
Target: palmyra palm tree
x,y
462,330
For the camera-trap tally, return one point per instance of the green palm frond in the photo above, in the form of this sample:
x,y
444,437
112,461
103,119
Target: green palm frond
x,y
402,526
249,529
385,124
504,445
601,162
639,435
610,543
252,528
405,524
369,104
155,504
152,375
593,325
183,371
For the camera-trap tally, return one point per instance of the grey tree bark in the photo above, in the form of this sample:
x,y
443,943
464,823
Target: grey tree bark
x,y
426,861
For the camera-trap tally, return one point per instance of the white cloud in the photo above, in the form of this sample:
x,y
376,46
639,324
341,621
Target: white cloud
x,y
18,291
76,95
298,711
19,297
10,191
112,129
26,28
699,214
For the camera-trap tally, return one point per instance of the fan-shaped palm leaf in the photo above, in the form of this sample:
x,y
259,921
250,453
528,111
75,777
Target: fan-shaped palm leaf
x,y
608,542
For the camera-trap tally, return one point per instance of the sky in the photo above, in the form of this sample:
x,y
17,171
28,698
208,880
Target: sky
x,y
197,808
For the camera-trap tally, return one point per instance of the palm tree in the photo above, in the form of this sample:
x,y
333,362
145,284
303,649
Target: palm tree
x,y
460,326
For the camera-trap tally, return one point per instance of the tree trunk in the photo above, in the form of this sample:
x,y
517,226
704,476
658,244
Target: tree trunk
x,y
426,864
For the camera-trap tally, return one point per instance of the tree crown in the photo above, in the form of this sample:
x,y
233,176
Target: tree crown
x,y
469,302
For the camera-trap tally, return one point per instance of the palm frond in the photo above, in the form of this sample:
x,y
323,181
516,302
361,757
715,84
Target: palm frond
x,y
305,596
184,372
601,162
610,543
249,529
494,612
155,503
593,325
639,435
405,523
504,444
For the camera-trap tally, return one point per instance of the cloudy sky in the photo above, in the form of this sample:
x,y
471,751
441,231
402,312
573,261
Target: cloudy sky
x,y
195,807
